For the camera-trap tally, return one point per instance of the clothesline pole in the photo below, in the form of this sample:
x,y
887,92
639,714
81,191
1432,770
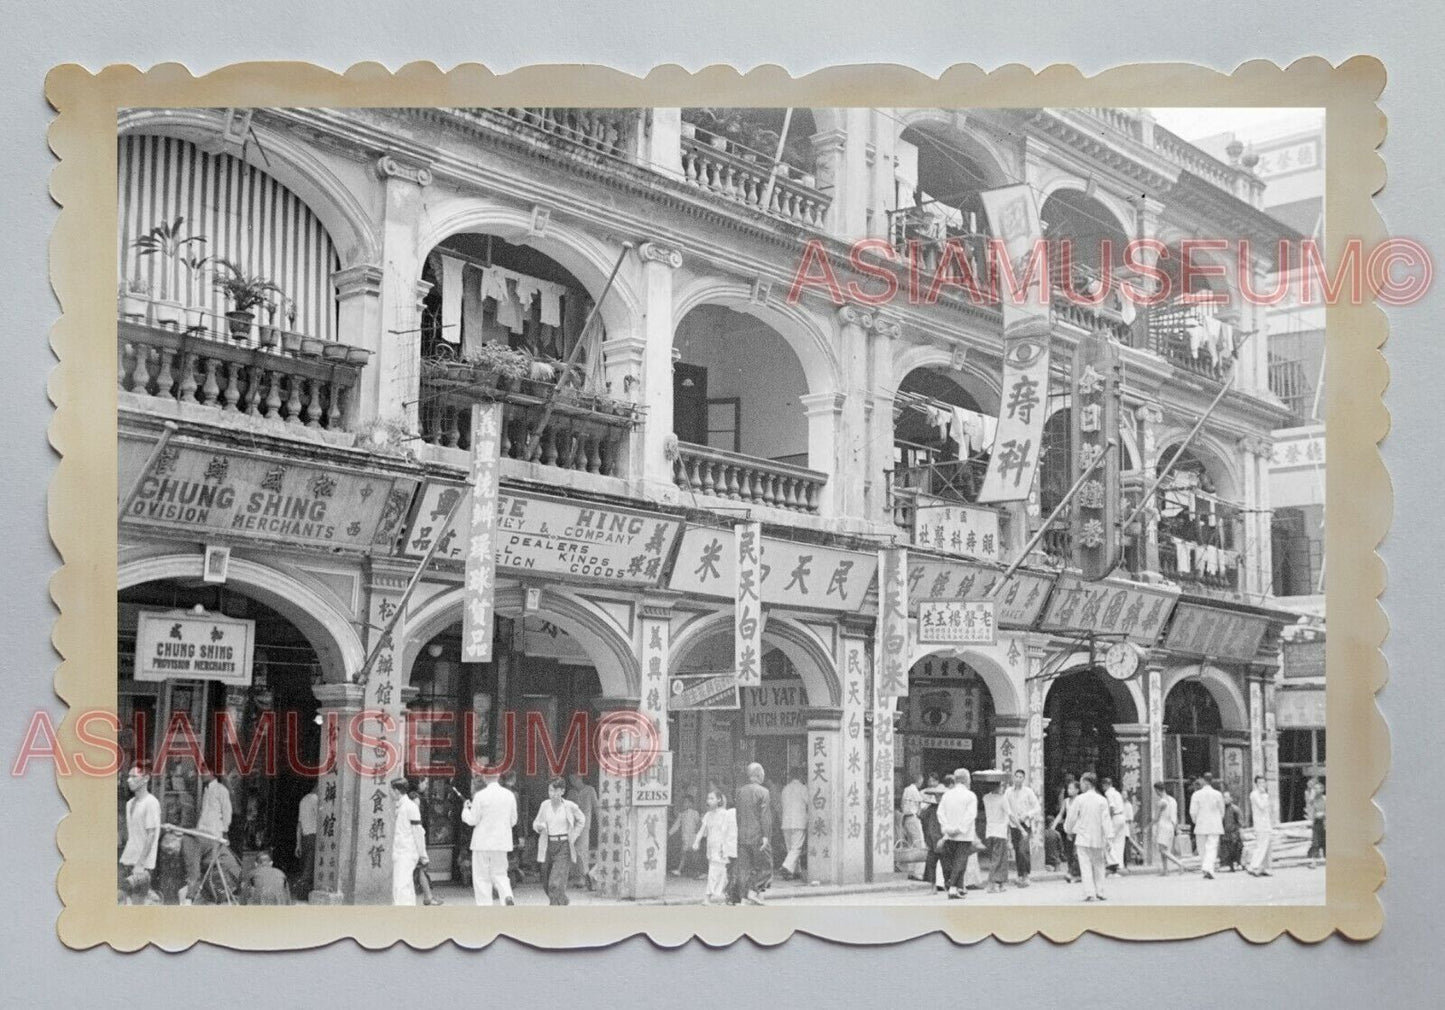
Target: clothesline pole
x,y
551,401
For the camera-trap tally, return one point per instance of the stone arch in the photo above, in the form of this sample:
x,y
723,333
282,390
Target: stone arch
x,y
330,632
1227,694
1121,214
942,125
1128,695
1172,236
1007,700
1219,459
292,164
608,646
810,337
810,659
985,387
588,258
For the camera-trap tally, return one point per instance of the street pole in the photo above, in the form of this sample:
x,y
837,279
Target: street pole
x,y
777,158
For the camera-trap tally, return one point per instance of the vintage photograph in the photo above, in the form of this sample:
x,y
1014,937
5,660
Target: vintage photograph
x,y
717,505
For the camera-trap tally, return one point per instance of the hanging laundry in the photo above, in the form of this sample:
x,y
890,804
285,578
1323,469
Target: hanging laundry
x,y
552,306
967,431
527,291
1197,332
1183,559
1211,560
473,330
494,284
452,299
509,313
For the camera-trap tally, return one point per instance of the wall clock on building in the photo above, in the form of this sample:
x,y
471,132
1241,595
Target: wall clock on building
x,y
1121,661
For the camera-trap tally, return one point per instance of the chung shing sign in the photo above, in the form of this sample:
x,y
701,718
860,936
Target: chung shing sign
x,y
182,645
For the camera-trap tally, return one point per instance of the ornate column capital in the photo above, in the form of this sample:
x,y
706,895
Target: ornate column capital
x,y
823,403
886,327
363,279
655,252
395,166
1257,445
1149,413
855,315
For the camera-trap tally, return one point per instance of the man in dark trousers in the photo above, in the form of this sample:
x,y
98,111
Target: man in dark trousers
x,y
932,833
755,817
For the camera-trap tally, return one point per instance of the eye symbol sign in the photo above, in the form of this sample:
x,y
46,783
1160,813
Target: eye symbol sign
x,y
1024,353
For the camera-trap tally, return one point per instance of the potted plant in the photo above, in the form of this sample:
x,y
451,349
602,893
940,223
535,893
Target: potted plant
x,y
135,296
331,350
246,292
269,335
311,346
195,311
503,365
166,240
358,356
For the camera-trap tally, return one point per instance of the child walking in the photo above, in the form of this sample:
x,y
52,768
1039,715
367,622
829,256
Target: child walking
x,y
720,831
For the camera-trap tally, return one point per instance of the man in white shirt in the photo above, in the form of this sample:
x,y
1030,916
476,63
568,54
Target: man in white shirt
x,y
559,824
995,833
142,826
306,843
910,804
1116,816
492,812
1261,809
214,821
1023,814
1092,826
408,845
794,821
1206,810
957,812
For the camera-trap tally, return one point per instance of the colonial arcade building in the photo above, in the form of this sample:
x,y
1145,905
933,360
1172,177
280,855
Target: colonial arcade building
x,y
623,283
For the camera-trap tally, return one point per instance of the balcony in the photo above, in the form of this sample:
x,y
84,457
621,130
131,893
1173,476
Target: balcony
x,y
956,480
270,373
1198,539
1179,335
703,470
586,133
728,170
584,433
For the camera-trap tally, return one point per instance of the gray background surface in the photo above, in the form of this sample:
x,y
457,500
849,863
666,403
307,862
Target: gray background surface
x,y
1403,967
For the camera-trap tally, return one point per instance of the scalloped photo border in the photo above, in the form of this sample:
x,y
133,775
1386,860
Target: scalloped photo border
x,y
82,526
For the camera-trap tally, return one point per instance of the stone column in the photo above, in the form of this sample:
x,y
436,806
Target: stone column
x,y
650,354
660,143
876,396
1253,531
825,432
392,377
881,835
824,761
1035,687
616,858
1263,737
1154,698
1147,212
1148,418
841,156
853,784
1010,743
337,847
1133,739
358,306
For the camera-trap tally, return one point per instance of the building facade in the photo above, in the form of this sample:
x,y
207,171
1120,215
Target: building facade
x,y
426,264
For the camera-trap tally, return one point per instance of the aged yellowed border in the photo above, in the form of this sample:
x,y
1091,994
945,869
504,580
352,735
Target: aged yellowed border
x,y
82,515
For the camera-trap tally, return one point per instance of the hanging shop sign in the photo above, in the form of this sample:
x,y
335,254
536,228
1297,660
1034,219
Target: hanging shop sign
x,y
946,710
1299,709
203,491
1013,217
556,536
652,787
956,622
967,531
184,645
693,691
1108,608
1093,424
1017,605
1219,634
801,576
775,708
890,650
479,581
1303,658
747,604
942,742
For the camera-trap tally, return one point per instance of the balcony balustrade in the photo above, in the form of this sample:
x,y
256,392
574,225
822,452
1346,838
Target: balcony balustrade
x,y
704,470
737,174
271,373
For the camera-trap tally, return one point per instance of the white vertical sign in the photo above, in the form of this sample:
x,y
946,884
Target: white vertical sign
x,y
479,587
747,620
891,651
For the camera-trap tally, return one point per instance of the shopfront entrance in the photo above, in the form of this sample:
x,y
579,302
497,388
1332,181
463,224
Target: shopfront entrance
x,y
1081,710
947,720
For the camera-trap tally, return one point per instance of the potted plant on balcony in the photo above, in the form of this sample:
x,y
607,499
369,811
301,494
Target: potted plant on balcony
x,y
499,366
135,297
168,241
246,292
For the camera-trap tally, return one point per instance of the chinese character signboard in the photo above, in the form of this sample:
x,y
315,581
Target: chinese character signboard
x,y
955,711
775,708
1300,709
1303,658
747,614
1013,217
185,645
1094,422
556,536
891,649
1016,605
201,491
1110,608
652,787
968,531
1221,634
692,691
790,574
956,622
480,578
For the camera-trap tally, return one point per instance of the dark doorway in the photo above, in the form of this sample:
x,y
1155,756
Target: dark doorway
x,y
689,403
1081,714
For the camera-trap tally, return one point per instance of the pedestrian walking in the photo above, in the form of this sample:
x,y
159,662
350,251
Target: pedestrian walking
x,y
932,834
995,833
1066,836
306,843
559,824
1261,810
1231,843
408,844
1091,823
142,832
1166,826
1117,819
1206,810
794,822
754,813
1315,814
719,830
492,812
1023,815
420,875
685,829
957,816
911,803
214,821
581,792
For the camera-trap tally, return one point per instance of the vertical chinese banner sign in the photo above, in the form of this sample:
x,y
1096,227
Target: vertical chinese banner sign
x,y
1013,216
890,653
747,620
480,575
1094,421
